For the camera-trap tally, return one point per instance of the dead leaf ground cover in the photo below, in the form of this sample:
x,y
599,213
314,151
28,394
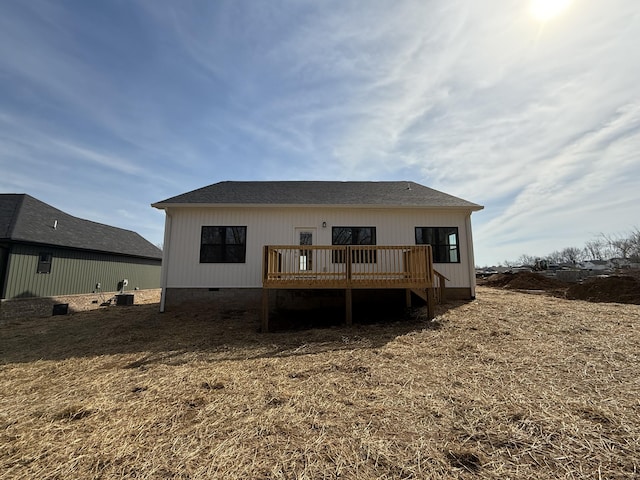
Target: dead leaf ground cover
x,y
507,386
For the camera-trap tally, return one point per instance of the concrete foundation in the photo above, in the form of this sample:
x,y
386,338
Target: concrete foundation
x,y
217,298
250,298
458,293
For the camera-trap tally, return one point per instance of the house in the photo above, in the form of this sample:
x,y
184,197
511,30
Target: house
x,y
227,242
596,265
46,253
622,263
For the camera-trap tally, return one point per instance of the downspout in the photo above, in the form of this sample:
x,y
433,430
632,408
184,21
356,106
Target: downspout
x,y
472,261
165,259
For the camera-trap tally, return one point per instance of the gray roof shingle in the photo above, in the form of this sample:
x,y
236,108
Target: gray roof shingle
x,y
391,194
26,219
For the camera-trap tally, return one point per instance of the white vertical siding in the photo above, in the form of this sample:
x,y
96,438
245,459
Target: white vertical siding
x,y
276,226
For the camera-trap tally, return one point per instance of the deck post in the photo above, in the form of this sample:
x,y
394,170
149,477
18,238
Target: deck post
x,y
265,264
347,291
265,311
443,291
408,297
348,307
431,303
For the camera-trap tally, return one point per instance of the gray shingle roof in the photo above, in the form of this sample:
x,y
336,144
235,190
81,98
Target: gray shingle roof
x,y
26,219
392,194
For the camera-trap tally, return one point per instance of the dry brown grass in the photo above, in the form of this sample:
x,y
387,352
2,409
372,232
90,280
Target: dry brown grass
x,y
508,386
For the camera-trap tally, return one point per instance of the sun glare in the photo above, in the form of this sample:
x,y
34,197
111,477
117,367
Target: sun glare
x,y
544,10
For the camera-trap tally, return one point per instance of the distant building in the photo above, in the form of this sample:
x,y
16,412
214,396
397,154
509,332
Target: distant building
x,y
596,265
45,252
621,263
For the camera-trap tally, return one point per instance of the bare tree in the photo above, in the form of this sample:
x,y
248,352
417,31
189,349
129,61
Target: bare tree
x,y
603,247
619,245
525,259
594,249
566,255
572,255
555,257
634,240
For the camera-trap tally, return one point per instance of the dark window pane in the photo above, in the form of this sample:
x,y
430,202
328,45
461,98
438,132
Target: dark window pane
x,y
235,235
341,236
440,254
443,240
211,235
211,254
306,238
364,236
44,263
223,244
235,254
354,236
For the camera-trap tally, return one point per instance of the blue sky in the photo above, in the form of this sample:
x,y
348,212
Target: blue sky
x,y
109,106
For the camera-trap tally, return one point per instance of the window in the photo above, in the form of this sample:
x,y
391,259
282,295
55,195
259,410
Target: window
x,y
354,236
44,263
223,244
443,240
306,256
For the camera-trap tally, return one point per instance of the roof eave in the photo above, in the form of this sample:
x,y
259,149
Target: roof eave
x,y
82,249
165,206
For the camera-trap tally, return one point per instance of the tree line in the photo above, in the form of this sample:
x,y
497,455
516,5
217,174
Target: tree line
x,y
603,247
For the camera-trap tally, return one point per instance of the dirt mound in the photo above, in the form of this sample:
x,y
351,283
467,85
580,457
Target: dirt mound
x,y
615,289
524,281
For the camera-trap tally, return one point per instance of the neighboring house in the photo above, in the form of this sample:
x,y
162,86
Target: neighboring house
x,y
624,263
621,263
45,252
595,265
215,237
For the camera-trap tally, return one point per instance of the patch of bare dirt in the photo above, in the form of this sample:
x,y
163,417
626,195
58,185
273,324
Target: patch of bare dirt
x,y
601,289
615,288
524,281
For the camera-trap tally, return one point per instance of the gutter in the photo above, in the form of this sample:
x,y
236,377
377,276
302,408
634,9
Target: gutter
x,y
165,259
166,206
472,261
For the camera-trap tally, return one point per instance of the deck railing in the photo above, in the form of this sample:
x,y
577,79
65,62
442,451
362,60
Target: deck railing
x,y
348,266
439,287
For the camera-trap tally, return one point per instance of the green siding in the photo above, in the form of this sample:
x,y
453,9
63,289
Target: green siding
x,y
74,272
4,256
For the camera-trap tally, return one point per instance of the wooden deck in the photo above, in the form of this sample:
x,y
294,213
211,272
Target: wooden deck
x,y
348,267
